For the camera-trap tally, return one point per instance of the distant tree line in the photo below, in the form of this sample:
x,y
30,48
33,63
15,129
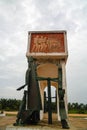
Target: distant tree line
x,y
13,105
9,104
77,108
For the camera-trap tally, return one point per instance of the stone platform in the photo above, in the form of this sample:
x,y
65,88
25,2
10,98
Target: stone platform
x,y
43,125
11,127
37,127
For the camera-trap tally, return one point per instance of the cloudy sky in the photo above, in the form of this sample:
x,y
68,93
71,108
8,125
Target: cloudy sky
x,y
17,17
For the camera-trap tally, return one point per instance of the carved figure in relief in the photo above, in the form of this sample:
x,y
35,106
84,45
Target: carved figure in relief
x,y
45,44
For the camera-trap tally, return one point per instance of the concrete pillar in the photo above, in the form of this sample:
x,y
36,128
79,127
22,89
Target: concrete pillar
x,y
58,115
42,99
64,83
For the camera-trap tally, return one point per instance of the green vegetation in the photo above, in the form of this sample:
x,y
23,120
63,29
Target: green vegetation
x,y
74,108
9,104
13,105
77,108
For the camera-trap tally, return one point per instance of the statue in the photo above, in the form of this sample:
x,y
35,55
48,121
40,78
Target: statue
x,y
29,111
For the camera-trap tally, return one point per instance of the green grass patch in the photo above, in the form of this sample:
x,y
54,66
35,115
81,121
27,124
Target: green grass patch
x,y
9,114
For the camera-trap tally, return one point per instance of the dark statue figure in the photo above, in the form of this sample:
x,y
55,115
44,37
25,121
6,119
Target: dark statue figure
x,y
29,111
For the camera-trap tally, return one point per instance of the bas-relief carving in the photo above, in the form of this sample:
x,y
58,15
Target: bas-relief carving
x,y
47,43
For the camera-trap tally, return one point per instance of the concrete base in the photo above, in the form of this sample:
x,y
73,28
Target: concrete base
x,y
1,115
35,127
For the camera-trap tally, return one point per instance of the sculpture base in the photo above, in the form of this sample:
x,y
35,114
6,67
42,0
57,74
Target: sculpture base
x,y
42,125
34,127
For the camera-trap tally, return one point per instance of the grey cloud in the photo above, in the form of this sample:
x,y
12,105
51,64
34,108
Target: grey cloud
x,y
18,17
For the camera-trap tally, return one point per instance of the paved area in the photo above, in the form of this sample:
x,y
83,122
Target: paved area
x,y
76,123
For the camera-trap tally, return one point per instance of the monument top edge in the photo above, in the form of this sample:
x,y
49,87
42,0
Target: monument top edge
x,y
49,31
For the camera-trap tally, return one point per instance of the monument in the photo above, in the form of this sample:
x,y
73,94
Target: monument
x,y
47,55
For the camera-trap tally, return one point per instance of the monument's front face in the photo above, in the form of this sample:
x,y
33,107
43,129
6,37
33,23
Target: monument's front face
x,y
49,48
47,45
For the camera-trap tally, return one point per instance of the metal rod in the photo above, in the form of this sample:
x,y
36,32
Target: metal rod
x,y
49,102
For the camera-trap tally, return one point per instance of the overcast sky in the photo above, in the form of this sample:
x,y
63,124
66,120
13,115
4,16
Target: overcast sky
x,y
17,17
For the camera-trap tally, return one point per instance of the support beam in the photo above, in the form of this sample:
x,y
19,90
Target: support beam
x,y
49,102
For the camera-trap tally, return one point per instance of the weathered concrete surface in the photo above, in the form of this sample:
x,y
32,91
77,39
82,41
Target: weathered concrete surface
x,y
39,128
42,125
76,122
31,128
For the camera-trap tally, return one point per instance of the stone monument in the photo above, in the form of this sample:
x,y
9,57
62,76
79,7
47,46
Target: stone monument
x,y
47,55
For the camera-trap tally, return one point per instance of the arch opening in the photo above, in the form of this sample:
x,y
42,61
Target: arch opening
x,y
48,70
53,99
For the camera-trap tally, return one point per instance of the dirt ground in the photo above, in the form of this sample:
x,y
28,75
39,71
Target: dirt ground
x,y
76,121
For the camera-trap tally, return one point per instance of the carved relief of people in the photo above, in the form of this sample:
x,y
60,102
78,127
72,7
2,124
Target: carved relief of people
x,y
45,44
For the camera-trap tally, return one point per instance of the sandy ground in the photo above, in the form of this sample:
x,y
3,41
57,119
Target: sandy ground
x,y
76,121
